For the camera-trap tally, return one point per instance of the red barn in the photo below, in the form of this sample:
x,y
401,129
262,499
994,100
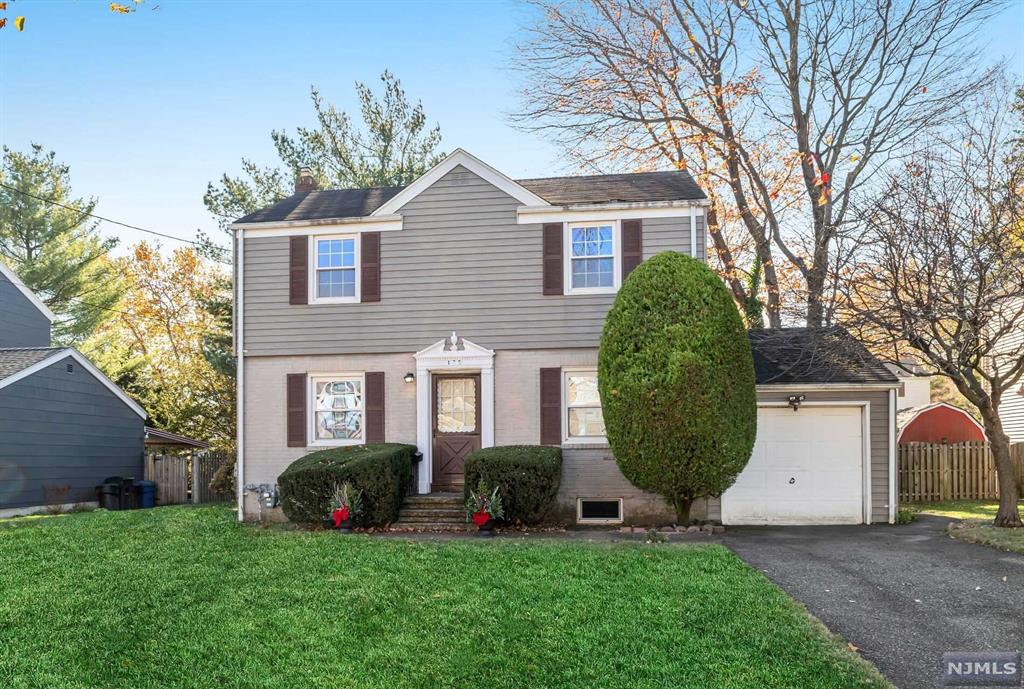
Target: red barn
x,y
938,423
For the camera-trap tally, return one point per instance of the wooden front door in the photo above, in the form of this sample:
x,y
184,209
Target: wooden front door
x,y
456,406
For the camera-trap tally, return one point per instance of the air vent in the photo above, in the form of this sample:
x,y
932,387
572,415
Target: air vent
x,y
599,510
70,368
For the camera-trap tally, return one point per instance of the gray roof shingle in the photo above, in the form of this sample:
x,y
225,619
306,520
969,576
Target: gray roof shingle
x,y
355,203
16,359
814,355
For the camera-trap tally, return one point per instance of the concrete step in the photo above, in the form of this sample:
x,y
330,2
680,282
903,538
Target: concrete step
x,y
431,526
416,518
434,499
440,512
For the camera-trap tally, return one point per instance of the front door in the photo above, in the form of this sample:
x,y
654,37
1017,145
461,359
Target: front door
x,y
456,406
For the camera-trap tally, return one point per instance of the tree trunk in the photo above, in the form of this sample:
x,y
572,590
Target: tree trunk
x,y
1008,515
683,506
815,289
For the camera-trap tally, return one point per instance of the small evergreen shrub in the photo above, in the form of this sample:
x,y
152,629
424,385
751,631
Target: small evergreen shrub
x,y
527,477
676,377
381,471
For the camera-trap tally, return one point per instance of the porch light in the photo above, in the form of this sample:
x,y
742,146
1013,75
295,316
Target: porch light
x,y
795,400
410,377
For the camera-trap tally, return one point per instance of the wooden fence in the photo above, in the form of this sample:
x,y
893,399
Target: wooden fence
x,y
184,478
955,471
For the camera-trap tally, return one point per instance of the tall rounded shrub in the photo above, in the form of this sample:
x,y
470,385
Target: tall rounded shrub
x,y
676,378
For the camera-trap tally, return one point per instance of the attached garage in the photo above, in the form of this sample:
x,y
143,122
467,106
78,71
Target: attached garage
x,y
825,448
809,466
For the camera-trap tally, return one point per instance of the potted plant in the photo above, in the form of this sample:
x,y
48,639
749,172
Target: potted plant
x,y
483,507
346,504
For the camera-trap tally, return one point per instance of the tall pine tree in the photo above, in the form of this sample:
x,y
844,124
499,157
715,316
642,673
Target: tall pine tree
x,y
53,245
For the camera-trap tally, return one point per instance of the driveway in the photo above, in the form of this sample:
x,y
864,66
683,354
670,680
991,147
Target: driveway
x,y
902,594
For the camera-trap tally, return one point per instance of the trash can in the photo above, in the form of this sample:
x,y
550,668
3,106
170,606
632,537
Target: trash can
x,y
110,494
129,500
145,494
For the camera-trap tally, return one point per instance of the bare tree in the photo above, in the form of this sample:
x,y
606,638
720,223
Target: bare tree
x,y
783,109
942,279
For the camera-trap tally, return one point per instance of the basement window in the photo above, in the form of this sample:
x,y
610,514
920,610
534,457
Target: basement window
x,y
599,510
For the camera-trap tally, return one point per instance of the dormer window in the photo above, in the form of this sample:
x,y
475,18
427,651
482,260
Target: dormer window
x,y
335,274
593,261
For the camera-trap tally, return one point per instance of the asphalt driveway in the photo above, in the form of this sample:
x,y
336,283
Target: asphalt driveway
x,y
902,594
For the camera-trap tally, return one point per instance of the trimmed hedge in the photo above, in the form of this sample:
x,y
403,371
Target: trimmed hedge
x,y
676,377
527,477
380,470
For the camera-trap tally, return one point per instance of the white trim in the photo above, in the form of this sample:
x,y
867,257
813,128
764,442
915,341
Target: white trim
x,y
935,405
311,411
311,271
321,226
29,294
693,232
239,313
528,215
865,441
471,163
567,259
84,363
579,511
573,441
893,478
443,357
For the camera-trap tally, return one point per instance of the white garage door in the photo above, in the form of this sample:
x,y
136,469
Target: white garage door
x,y
807,468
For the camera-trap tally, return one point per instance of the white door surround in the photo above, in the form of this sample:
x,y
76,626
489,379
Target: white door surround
x,y
817,473
451,355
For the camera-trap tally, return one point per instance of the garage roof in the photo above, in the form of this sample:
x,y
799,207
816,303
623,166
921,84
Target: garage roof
x,y
814,355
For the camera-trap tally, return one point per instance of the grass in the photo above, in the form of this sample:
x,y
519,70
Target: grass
x,y
186,597
977,516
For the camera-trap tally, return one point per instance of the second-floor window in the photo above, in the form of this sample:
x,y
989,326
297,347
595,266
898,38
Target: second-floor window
x,y
593,261
335,269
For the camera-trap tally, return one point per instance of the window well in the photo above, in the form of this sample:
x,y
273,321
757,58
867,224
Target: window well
x,y
599,510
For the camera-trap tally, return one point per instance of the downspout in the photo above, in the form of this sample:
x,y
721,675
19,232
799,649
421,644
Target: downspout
x,y
893,472
240,369
693,231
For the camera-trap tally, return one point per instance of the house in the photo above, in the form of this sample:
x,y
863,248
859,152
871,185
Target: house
x,y
917,388
937,423
1011,410
465,310
64,426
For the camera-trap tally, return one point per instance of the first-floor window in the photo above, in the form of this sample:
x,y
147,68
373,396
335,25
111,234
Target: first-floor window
x,y
338,409
584,419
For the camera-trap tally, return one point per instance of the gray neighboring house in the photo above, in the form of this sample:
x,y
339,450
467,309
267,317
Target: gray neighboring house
x,y
64,426
465,310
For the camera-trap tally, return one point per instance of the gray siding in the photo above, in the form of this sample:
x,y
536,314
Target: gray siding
x,y
64,430
460,263
21,323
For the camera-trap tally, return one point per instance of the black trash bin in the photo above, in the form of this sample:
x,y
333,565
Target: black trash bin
x,y
129,496
109,493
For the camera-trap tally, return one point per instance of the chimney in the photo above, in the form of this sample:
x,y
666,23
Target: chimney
x,y
306,181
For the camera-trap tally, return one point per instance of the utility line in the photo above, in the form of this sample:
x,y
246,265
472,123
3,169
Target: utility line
x,y
108,220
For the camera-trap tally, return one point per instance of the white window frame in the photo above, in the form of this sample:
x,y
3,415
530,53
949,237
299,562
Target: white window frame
x,y
579,511
313,298
312,380
567,257
579,439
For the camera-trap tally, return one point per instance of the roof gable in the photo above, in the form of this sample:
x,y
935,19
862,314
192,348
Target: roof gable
x,y
471,163
29,294
18,364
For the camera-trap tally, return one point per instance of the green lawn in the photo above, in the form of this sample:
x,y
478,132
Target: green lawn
x,y
186,597
977,516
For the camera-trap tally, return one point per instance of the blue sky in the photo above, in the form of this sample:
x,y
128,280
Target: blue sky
x,y
147,108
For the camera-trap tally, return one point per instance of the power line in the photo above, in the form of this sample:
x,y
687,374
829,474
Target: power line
x,y
108,220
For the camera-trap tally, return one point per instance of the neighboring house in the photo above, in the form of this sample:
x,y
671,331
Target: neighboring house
x,y
160,441
64,426
916,390
466,309
937,423
1011,410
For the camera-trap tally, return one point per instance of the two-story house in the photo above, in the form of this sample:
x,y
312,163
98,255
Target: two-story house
x,y
64,426
465,310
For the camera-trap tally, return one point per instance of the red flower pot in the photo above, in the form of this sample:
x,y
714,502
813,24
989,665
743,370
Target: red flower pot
x,y
481,517
341,520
